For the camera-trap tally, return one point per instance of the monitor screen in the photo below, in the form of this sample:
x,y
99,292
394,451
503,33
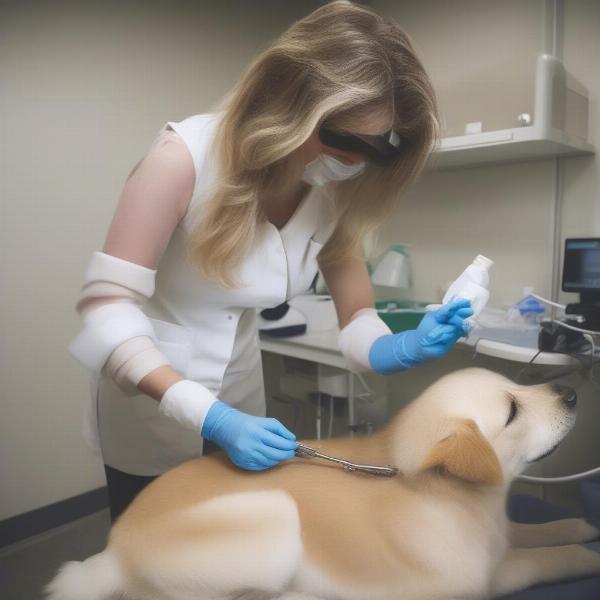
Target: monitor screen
x,y
581,269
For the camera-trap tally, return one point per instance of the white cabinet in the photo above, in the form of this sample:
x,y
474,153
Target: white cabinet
x,y
559,127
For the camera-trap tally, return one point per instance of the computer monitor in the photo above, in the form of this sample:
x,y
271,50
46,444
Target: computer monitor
x,y
581,268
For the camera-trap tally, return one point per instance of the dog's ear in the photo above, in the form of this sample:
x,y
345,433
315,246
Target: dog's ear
x,y
467,454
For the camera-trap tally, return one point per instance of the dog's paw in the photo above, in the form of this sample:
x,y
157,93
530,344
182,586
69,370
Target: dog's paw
x,y
594,546
590,561
574,531
585,531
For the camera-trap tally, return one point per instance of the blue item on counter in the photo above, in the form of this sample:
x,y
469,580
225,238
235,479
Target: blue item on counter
x,y
530,305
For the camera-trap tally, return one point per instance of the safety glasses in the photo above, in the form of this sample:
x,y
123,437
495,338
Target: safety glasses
x,y
379,149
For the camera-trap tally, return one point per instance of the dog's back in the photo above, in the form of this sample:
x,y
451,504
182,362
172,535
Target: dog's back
x,y
306,523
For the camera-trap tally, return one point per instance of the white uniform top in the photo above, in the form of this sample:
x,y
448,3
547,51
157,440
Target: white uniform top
x,y
208,332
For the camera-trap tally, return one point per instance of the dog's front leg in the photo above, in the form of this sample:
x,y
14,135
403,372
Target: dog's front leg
x,y
553,533
523,567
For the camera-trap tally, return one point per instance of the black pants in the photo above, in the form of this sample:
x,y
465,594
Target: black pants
x,y
124,487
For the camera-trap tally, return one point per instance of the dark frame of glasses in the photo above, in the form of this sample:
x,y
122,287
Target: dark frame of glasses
x,y
377,148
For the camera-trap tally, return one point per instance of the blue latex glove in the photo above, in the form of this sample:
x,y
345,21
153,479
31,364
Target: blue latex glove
x,y
435,335
252,443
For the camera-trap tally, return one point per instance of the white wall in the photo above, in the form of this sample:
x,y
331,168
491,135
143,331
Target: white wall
x,y
85,87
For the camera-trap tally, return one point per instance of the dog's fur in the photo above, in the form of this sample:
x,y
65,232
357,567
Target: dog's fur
x,y
309,529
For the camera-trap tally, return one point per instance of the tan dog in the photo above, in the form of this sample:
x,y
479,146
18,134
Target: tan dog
x,y
309,529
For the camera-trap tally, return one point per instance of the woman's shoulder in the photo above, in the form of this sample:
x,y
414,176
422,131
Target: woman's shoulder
x,y
196,130
192,147
197,133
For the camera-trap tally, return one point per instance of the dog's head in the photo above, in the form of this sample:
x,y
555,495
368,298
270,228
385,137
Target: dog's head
x,y
480,426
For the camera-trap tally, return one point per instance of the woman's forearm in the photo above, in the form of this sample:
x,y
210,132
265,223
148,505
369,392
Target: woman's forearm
x,y
157,382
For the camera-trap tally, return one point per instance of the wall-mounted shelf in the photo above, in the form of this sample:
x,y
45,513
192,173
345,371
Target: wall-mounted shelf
x,y
522,143
559,128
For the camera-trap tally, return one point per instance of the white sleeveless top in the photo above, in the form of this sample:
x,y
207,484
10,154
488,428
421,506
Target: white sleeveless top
x,y
208,332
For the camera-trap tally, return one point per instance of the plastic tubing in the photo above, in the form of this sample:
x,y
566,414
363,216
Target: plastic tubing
x,y
563,479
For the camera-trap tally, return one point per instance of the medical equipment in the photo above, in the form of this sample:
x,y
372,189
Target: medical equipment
x,y
473,284
305,313
393,269
382,471
581,274
563,479
529,308
502,325
281,321
377,148
559,336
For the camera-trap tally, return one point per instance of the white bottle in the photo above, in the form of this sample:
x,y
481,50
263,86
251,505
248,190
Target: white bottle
x,y
472,284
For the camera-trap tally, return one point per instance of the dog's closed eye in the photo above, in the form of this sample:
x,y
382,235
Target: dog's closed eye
x,y
513,409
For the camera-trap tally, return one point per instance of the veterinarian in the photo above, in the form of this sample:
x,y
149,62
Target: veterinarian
x,y
235,210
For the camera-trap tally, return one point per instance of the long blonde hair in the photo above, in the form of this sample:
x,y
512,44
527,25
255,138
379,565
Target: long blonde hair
x,y
340,63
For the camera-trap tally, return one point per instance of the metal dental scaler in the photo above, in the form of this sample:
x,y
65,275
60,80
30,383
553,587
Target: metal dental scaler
x,y
308,452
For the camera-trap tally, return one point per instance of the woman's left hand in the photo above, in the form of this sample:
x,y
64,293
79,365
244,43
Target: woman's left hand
x,y
434,337
439,329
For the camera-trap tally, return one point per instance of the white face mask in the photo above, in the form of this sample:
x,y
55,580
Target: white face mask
x,y
325,168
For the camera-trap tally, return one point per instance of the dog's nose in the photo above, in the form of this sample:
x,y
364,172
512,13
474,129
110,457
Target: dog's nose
x,y
569,398
567,395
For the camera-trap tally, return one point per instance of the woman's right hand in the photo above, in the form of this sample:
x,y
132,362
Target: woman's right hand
x,y
252,443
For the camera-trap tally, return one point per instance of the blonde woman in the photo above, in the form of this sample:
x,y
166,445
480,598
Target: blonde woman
x,y
234,211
